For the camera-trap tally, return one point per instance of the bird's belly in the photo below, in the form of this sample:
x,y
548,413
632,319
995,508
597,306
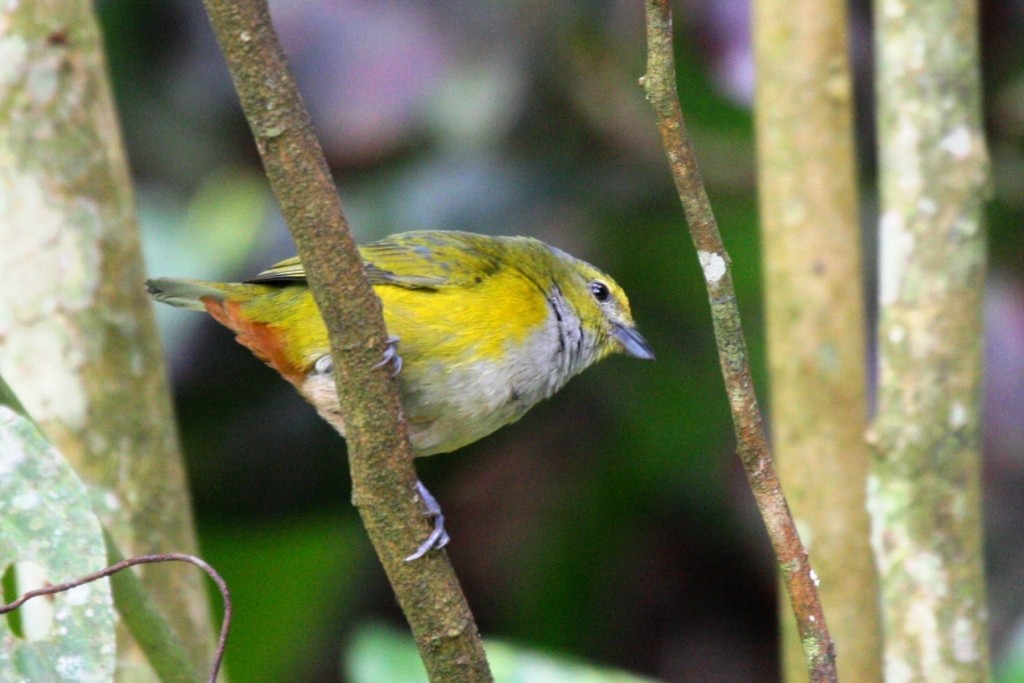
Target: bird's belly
x,y
450,401
448,408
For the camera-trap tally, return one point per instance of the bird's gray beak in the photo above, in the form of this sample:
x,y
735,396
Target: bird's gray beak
x,y
633,344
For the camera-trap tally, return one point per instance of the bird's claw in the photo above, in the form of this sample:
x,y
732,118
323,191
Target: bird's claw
x,y
438,538
324,365
391,356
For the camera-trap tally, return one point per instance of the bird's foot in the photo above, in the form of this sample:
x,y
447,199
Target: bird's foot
x,y
391,356
325,364
438,538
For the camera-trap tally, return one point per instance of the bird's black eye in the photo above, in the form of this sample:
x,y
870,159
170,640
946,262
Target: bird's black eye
x,y
600,291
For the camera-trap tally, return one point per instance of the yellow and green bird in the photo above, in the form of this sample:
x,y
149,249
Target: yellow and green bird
x,y
485,328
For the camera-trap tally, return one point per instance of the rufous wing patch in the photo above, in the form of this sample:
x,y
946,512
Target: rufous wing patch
x,y
264,340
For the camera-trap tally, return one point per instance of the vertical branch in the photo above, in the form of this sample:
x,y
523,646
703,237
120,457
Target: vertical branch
x,y
77,337
660,85
379,455
924,493
814,298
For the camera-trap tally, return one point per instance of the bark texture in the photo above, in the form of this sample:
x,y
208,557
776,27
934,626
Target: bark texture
x,y
814,297
77,338
924,492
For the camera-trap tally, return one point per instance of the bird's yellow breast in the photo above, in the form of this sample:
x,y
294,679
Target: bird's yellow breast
x,y
464,324
470,356
473,358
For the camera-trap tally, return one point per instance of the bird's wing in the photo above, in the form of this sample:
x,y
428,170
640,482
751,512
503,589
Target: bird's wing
x,y
416,260
431,260
290,270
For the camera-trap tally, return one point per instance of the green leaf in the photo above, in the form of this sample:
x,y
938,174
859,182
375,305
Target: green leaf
x,y
379,653
48,533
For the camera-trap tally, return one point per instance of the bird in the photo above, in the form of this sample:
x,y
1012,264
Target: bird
x,y
481,328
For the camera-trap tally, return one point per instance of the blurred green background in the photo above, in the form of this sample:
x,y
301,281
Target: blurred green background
x,y
613,523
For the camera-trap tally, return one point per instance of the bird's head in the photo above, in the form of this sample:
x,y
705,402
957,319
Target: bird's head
x,y
602,308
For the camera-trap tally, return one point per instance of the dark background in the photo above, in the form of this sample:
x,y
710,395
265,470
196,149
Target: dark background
x,y
612,523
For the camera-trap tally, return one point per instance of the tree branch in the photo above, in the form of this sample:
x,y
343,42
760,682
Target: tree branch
x,y
660,85
814,309
79,340
380,459
925,493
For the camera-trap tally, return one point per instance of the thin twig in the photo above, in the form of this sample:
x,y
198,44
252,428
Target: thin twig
x,y
660,85
380,458
225,626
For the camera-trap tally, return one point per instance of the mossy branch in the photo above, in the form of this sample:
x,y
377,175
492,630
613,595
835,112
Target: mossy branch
x,y
925,489
380,458
660,85
79,339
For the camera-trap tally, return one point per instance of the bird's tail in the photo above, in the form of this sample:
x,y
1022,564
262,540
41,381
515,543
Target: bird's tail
x,y
259,319
187,293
